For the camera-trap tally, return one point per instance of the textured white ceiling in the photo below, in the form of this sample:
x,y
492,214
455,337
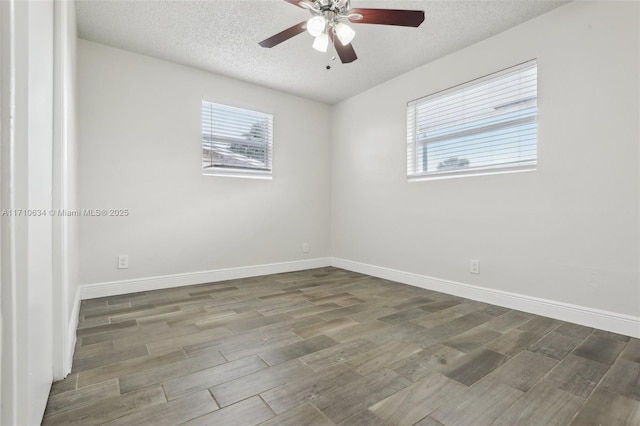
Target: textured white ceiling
x,y
222,36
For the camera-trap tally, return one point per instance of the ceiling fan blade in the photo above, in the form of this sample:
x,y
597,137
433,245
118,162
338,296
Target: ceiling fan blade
x,y
305,4
346,53
404,18
284,35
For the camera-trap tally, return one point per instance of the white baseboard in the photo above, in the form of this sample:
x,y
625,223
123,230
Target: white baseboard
x,y
113,288
590,317
71,333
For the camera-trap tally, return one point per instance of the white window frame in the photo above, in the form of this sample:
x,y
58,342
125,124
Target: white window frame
x,y
415,169
228,170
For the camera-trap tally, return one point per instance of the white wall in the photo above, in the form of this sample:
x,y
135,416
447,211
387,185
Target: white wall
x,y
568,232
139,127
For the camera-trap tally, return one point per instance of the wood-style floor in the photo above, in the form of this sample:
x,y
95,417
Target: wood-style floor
x,y
329,346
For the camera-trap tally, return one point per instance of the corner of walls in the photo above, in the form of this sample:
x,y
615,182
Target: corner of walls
x,y
65,232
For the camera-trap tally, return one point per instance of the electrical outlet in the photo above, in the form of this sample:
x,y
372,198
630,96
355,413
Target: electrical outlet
x,y
123,261
474,266
305,247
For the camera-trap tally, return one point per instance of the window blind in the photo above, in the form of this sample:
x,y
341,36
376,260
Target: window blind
x,y
236,140
482,125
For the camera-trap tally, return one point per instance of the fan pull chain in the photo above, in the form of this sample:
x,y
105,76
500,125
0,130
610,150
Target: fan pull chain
x,y
329,56
328,60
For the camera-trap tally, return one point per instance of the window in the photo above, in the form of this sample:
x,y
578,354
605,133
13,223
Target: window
x,y
235,141
483,126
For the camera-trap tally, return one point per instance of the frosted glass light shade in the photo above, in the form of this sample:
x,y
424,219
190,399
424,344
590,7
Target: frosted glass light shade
x,y
321,42
316,25
345,33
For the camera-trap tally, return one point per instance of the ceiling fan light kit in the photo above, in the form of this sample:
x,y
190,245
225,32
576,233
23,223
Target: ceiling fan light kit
x,y
316,25
326,24
345,33
321,42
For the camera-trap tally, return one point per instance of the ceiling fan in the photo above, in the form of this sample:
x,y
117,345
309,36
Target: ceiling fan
x,y
326,24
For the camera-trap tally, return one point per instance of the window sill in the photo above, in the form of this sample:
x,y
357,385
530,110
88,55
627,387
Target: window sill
x,y
238,174
531,167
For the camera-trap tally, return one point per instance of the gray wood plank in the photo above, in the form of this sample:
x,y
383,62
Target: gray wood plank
x,y
623,378
382,356
171,413
303,415
358,331
418,400
364,418
104,410
512,342
429,360
403,316
440,305
606,408
296,350
411,333
464,323
211,318
481,404
311,309
76,398
89,331
342,312
111,335
577,375
411,302
324,327
92,322
90,350
213,376
631,352
249,412
471,339
543,405
153,335
508,321
495,310
234,349
348,400
140,379
524,370
68,383
126,367
473,366
428,421
308,388
108,357
372,314
256,322
136,312
437,318
540,325
333,355
574,330
600,349
258,382
177,342
555,345
611,335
